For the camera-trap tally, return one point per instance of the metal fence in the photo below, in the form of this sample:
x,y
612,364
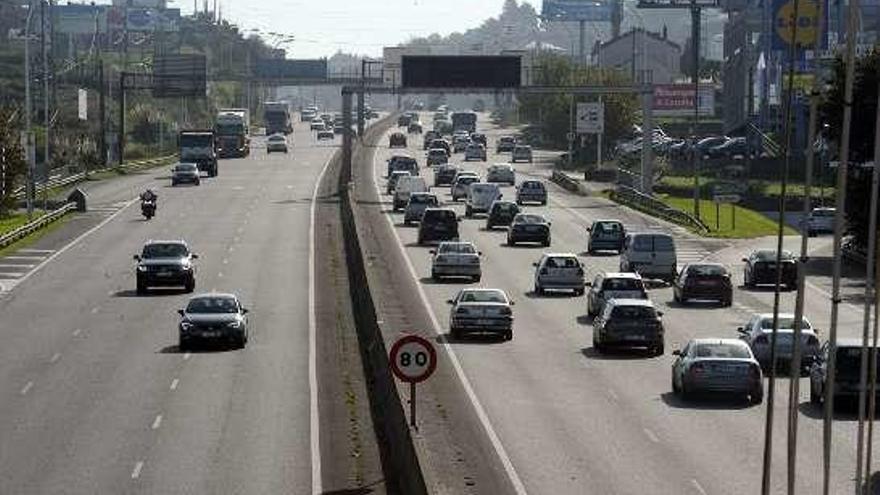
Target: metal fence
x,y
653,206
31,227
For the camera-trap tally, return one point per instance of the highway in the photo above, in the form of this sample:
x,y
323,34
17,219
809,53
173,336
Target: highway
x,y
95,396
569,420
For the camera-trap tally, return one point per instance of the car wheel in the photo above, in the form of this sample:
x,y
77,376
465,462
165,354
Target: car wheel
x,y
508,335
468,212
727,301
190,285
198,183
241,341
579,292
173,183
600,348
539,290
510,242
406,222
757,396
434,276
477,278
456,333
546,242
544,203
184,344
659,349
420,241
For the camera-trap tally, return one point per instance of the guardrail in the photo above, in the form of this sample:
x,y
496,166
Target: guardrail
x,y
61,181
566,182
31,227
653,206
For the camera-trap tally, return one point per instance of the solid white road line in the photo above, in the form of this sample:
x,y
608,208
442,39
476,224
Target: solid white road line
x,y
157,422
512,475
27,388
612,394
174,384
187,355
136,472
74,242
314,418
11,275
24,258
31,250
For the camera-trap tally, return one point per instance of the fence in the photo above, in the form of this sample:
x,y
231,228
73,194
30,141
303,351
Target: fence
x,y
31,227
653,206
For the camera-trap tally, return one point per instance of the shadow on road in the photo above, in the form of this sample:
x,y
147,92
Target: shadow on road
x,y
585,320
617,354
201,348
846,410
521,245
552,294
706,402
447,281
694,304
473,338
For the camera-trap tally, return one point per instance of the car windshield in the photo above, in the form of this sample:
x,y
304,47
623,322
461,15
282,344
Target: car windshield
x,y
562,262
437,152
276,138
423,199
505,207
722,350
212,305
608,228
532,185
483,296
634,312
770,256
186,167
707,270
456,248
529,219
785,322
439,215
622,284
165,250
481,189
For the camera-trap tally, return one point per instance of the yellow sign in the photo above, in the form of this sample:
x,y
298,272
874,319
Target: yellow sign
x,y
801,82
807,20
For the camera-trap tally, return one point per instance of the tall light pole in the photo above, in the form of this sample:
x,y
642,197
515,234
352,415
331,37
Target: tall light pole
x,y
29,140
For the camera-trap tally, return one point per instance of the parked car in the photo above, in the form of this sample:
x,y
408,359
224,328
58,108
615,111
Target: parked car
x,y
456,259
650,255
820,220
632,323
185,173
758,331
438,224
166,264
481,311
612,285
475,151
437,156
559,271
760,269
462,184
529,227
276,142
213,317
418,203
444,174
732,148
480,197
501,173
505,144
847,376
703,281
397,140
724,366
605,235
501,213
704,145
393,178
531,191
521,153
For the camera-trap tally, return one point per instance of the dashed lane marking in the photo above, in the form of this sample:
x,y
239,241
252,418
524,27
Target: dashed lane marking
x,y
699,488
27,388
651,436
174,384
136,472
157,422
32,250
55,357
14,266
24,258
77,332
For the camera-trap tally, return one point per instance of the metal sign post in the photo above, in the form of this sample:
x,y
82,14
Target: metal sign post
x,y
413,359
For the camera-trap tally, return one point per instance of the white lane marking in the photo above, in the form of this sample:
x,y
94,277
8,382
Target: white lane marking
x,y
174,384
55,357
314,417
77,332
157,422
8,275
698,487
651,436
27,388
828,295
95,310
17,266
31,250
225,261
515,480
187,354
612,394
236,239
220,275
136,472
25,258
75,241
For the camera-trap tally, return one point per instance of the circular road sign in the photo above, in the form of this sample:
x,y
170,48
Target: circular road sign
x,y
413,359
807,22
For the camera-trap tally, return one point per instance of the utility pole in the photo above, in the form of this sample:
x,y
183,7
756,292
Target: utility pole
x,y
29,139
46,117
582,47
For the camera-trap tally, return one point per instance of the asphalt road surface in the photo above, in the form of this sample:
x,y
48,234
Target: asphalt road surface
x,y
95,396
573,421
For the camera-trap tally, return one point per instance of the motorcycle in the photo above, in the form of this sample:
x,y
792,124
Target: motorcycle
x,y
148,208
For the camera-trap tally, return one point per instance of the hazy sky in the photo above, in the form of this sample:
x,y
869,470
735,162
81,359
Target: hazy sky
x,y
323,27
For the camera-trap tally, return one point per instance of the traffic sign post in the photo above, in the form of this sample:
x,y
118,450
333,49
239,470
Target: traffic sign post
x,y
590,118
732,199
413,359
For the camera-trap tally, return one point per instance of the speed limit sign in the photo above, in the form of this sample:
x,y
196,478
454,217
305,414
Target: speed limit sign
x,y
413,359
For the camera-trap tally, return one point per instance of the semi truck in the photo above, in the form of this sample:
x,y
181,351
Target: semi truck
x,y
232,132
277,117
197,146
466,121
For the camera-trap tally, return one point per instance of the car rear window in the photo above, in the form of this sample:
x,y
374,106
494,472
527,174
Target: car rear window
x,y
562,262
534,219
722,351
622,284
784,322
482,189
707,270
439,215
608,228
185,167
423,199
532,185
212,305
490,296
634,312
456,248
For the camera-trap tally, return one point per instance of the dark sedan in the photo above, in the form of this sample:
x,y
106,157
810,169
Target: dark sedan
x,y
529,227
165,264
605,235
760,269
703,281
444,174
438,224
724,366
397,140
216,317
501,213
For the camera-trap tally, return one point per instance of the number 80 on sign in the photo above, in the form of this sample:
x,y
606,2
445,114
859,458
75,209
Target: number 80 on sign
x,y
413,359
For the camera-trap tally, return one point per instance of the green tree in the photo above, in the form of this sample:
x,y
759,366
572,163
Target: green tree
x,y
12,163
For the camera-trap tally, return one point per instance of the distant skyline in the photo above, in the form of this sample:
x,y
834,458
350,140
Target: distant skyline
x,y
322,28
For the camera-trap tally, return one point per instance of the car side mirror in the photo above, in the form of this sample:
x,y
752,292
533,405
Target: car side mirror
x,y
589,229
450,301
480,253
535,264
433,251
195,256
659,313
137,257
588,284
549,223
181,312
745,260
245,311
741,330
513,303
676,352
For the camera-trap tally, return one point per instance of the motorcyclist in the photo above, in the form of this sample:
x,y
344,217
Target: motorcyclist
x,y
148,196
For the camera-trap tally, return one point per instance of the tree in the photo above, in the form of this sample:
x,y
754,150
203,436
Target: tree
x,y
12,163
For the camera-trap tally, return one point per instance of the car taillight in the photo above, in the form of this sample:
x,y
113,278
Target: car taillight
x,y
761,340
506,311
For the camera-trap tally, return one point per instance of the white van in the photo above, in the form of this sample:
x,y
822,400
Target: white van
x,y
480,197
650,254
406,186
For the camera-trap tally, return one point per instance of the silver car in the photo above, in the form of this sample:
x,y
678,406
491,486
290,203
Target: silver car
x,y
456,259
521,152
501,172
758,331
219,317
481,311
461,185
418,203
559,271
185,173
717,365
393,178
475,151
611,285
276,142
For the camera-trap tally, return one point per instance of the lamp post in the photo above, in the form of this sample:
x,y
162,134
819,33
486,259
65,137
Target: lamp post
x,y
28,135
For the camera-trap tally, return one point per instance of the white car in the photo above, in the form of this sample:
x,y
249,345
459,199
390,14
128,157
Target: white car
x,y
456,259
276,142
317,125
501,173
820,220
461,184
521,152
559,271
759,330
418,203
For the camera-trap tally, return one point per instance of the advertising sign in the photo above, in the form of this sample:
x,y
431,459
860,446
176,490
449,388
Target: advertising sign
x,y
785,18
577,10
671,100
80,19
179,75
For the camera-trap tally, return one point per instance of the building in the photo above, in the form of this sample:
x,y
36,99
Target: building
x,y
639,50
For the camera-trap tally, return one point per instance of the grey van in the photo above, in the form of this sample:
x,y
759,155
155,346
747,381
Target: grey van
x,y
651,255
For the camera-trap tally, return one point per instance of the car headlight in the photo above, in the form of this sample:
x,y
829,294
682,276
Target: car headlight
x,y
142,268
186,326
234,324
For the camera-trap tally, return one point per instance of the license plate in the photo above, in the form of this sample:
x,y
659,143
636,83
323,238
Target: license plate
x,y
164,274
484,322
210,334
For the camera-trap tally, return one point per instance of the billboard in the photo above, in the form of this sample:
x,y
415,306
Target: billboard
x,y
179,75
460,71
80,19
676,100
784,20
577,10
279,68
